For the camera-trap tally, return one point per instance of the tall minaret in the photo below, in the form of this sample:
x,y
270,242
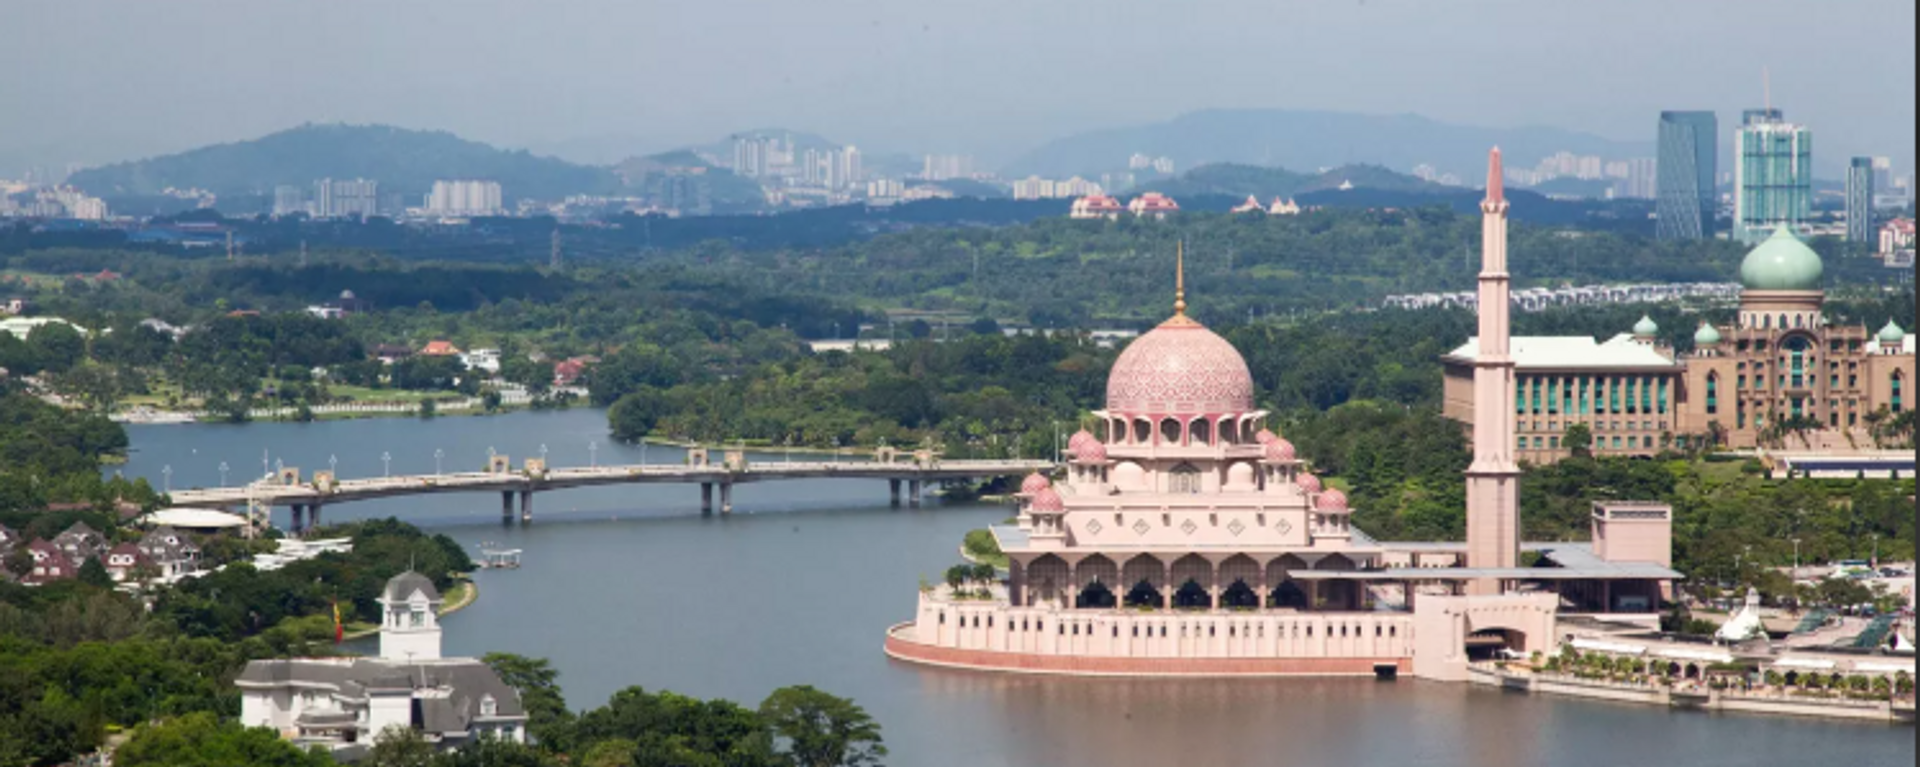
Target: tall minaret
x,y
1493,486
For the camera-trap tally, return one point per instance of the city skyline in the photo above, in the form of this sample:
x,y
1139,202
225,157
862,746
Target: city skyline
x,y
903,69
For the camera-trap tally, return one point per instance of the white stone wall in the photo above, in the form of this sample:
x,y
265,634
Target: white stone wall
x,y
995,626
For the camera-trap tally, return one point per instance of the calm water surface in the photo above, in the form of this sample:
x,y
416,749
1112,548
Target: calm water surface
x,y
630,586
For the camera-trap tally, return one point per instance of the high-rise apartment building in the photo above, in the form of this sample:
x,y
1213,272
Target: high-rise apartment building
x,y
944,166
1772,174
1684,172
335,199
1860,200
749,157
288,200
464,197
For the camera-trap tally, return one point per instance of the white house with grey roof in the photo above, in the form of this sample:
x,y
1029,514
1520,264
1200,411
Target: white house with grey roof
x,y
344,703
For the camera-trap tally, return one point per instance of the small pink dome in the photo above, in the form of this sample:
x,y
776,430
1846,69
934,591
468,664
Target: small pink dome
x,y
1280,450
1309,483
1034,483
1091,452
1080,439
1046,500
1331,500
1264,436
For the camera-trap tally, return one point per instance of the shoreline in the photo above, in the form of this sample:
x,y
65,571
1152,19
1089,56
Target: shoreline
x,y
1702,699
468,595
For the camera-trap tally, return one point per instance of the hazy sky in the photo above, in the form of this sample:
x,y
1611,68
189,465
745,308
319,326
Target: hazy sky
x,y
97,80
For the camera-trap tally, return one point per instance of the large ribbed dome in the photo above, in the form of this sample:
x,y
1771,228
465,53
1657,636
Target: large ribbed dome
x,y
1781,262
1180,368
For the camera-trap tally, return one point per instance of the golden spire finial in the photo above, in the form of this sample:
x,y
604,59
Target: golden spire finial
x,y
1180,278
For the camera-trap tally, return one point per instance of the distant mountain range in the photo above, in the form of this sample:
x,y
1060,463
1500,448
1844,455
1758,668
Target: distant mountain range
x,y
1309,139
404,162
1267,183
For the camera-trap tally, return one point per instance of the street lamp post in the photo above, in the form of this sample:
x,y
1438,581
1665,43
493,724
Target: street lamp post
x,y
333,464
1796,559
437,455
223,473
543,452
166,475
386,464
593,460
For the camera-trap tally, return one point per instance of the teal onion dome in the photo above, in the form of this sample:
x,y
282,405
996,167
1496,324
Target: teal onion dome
x,y
1646,327
1781,262
1707,335
1892,334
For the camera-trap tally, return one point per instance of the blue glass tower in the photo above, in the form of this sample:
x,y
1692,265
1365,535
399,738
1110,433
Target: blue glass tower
x,y
1685,199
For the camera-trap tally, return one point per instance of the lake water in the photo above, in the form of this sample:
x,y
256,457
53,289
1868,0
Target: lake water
x,y
630,586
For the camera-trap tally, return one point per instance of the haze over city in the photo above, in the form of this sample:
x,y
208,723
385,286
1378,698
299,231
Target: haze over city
x,y
596,82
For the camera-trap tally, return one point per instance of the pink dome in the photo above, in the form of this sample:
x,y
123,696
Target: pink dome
x,y
1091,452
1309,483
1046,500
1264,436
1180,368
1079,439
1331,500
1280,450
1034,483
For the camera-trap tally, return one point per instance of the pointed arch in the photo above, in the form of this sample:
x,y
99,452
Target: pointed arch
x,y
1145,578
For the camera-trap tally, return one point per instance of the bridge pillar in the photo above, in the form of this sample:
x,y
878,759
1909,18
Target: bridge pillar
x,y
893,491
706,497
913,493
506,506
299,519
726,497
313,515
526,506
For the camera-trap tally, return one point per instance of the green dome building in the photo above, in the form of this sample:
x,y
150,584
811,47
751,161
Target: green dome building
x,y
1781,262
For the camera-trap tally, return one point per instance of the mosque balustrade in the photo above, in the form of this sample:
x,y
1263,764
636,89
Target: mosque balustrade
x,y
1050,630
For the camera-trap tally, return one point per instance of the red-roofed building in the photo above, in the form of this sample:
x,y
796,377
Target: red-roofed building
x,y
1896,235
49,564
566,372
1095,206
440,349
1153,204
123,560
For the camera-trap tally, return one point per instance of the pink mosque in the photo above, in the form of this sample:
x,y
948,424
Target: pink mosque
x,y
1186,538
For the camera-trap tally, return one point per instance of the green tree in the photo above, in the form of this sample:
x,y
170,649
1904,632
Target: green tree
x,y
1579,439
615,752
399,746
539,686
814,729
202,739
93,573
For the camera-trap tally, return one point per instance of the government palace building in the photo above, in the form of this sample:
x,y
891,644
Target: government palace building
x,y
1782,361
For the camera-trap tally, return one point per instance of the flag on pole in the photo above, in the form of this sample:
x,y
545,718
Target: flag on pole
x,y
339,631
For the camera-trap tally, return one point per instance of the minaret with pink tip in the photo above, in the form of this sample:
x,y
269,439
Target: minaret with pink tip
x,y
1493,480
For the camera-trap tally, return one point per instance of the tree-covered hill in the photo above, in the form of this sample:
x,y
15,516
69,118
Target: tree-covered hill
x,y
404,161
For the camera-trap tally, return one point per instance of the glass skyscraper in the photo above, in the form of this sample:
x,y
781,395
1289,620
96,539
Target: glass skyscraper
x,y
1772,174
1860,200
1685,196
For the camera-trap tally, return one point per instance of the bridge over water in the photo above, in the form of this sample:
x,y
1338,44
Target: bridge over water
x,y
286,488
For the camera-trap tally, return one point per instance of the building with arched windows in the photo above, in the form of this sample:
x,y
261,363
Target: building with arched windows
x,y
1184,537
1781,373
